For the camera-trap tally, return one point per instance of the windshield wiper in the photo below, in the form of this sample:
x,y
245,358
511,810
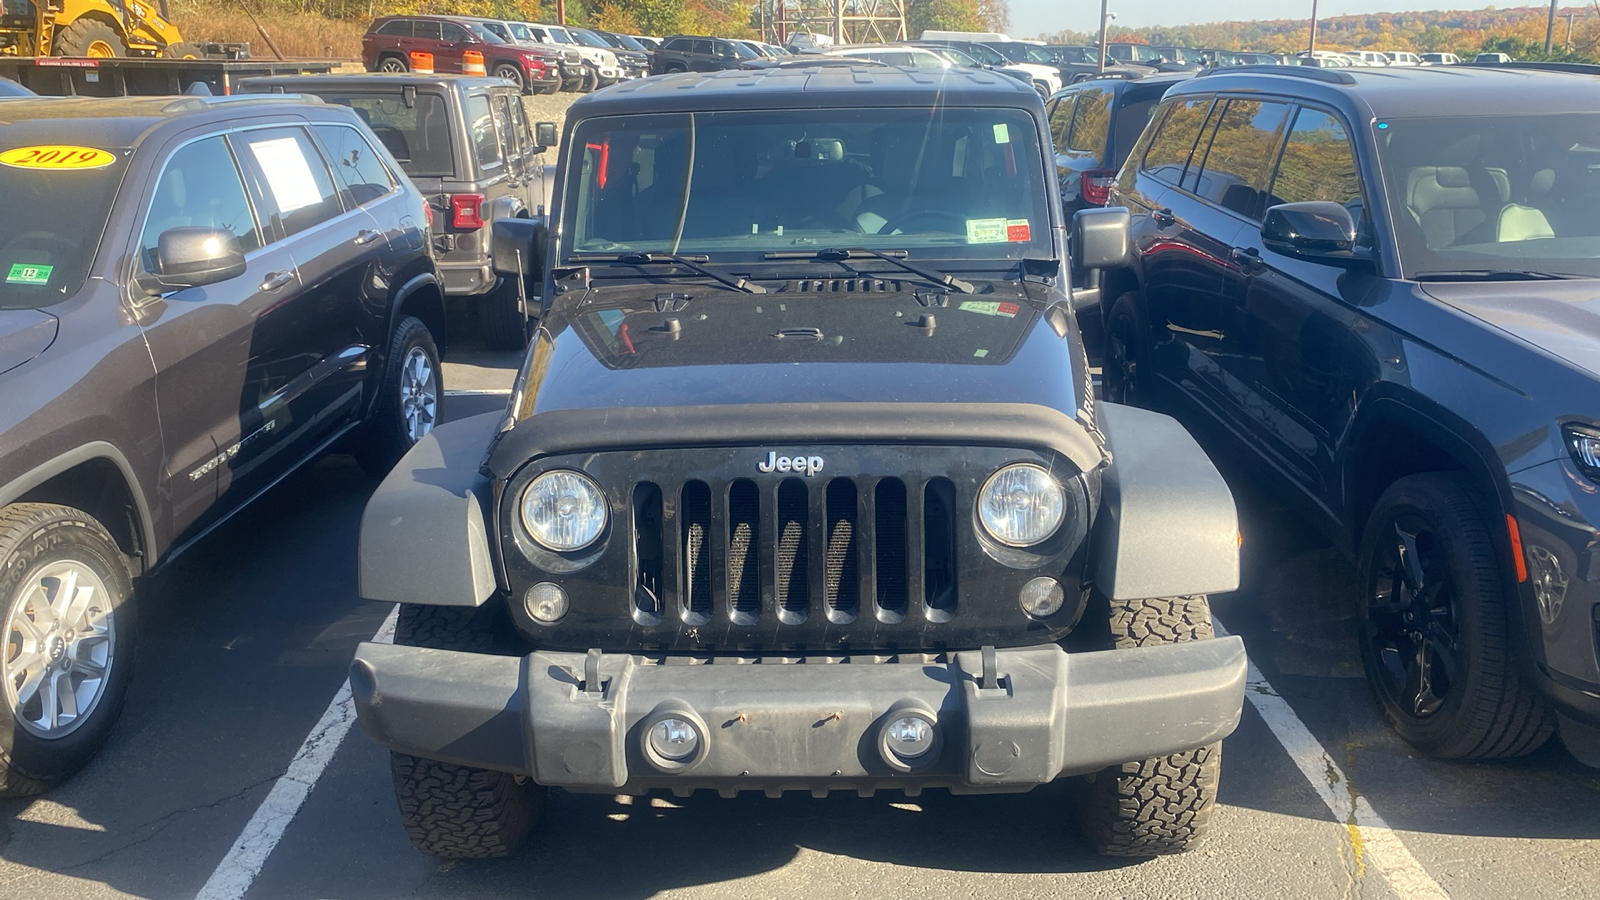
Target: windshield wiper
x,y
688,262
1492,275
894,257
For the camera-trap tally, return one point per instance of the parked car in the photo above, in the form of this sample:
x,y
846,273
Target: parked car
x,y
1492,58
688,53
552,57
634,56
1402,58
1077,63
651,44
9,88
913,427
1045,78
576,73
1377,291
467,145
219,290
1371,57
1440,59
1247,58
1094,125
390,40
606,59
892,55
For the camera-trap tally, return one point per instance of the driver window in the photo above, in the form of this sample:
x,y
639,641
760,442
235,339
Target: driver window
x,y
200,187
454,34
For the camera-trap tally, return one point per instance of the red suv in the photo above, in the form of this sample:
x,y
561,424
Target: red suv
x,y
388,44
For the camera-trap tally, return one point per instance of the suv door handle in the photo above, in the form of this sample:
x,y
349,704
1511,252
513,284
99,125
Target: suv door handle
x,y
1163,218
1246,258
276,281
367,236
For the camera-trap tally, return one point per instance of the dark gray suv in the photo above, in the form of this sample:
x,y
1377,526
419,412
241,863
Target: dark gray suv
x,y
202,295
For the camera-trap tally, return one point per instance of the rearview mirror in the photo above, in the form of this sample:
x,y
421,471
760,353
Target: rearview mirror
x,y
544,134
1315,230
517,248
191,256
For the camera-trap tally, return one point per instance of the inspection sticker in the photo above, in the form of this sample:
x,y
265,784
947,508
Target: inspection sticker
x,y
28,273
986,231
56,156
1002,134
990,308
1017,231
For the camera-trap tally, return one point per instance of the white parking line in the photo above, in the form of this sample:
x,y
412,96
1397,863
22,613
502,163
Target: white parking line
x,y
1371,837
249,853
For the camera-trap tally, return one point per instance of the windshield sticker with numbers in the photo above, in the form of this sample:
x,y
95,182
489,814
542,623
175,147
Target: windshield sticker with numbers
x,y
29,273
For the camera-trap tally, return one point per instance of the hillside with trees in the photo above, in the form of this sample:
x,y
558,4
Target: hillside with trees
x,y
1519,31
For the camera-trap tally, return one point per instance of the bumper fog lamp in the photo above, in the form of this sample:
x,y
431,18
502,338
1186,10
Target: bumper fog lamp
x,y
564,510
909,737
1042,597
546,602
1021,505
674,739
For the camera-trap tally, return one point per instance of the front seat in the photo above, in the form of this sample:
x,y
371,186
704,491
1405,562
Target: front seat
x,y
1458,202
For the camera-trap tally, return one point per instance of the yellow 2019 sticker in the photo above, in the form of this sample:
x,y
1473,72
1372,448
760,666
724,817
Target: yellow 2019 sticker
x,y
56,156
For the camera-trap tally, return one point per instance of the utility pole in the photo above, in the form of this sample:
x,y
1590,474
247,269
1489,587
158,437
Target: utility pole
x,y
561,12
1550,28
1105,22
1570,17
1312,50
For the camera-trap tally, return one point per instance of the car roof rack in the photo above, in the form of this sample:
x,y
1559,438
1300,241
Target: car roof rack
x,y
1327,76
1570,67
197,103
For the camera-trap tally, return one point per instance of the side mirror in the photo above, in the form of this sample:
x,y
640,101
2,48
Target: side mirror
x,y
544,134
1101,239
192,256
1316,230
517,248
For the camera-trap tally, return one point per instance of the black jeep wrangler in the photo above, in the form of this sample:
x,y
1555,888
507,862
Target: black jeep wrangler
x,y
802,486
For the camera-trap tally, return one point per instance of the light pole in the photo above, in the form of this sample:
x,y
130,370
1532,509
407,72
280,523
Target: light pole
x,y
1550,28
1105,22
1312,50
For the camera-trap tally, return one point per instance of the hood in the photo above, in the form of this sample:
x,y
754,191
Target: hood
x,y
24,334
1560,317
643,347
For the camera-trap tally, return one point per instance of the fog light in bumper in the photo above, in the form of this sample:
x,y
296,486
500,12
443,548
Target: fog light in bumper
x,y
546,602
909,738
1042,597
674,739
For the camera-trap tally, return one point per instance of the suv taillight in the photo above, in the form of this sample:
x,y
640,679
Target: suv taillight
x,y
466,211
1096,186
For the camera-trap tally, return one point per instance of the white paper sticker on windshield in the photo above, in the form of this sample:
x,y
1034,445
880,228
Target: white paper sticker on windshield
x,y
1002,135
986,231
288,174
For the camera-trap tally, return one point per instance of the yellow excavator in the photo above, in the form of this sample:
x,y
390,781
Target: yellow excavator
x,y
97,29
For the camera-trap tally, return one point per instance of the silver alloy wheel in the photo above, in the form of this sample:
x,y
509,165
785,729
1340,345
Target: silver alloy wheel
x,y
60,642
419,394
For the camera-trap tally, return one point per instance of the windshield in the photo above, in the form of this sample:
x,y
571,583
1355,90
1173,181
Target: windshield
x,y
589,39
1022,53
521,33
985,55
1495,192
939,184
560,36
625,42
45,251
957,57
488,35
1078,55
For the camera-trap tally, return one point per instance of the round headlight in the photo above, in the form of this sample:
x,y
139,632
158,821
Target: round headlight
x,y
564,510
1021,505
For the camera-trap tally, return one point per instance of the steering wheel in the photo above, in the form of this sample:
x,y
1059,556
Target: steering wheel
x,y
928,215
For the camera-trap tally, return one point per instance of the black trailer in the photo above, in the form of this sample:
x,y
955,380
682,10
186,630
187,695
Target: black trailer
x,y
127,76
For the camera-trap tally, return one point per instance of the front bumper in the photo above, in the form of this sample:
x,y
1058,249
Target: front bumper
x,y
579,721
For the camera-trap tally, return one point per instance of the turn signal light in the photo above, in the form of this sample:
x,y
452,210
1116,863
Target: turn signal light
x,y
466,211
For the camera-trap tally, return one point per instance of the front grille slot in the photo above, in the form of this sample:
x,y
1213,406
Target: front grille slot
x,y
744,552
939,550
695,527
841,582
793,557
647,603
889,527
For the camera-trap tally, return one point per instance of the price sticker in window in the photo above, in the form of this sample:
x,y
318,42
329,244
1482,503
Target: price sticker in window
x,y
56,156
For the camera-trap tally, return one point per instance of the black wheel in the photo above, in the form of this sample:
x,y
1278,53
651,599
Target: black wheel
x,y
1043,89
504,325
509,72
1436,640
89,38
409,398
69,643
458,811
1127,346
673,70
393,64
1161,806
183,50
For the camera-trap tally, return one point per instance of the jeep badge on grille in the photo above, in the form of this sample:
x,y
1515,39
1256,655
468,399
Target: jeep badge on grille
x,y
810,465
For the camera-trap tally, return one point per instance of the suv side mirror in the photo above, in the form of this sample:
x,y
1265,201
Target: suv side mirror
x,y
1101,239
1317,230
517,248
544,134
192,256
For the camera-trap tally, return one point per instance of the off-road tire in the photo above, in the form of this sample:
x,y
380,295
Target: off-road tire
x,y
32,534
1125,356
505,327
183,50
387,437
1160,806
77,38
1495,712
452,811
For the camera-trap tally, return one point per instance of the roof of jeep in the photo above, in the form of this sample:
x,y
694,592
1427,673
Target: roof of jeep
x,y
121,121
385,81
817,87
1416,91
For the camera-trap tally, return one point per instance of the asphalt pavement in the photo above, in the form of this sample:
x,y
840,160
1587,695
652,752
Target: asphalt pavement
x,y
245,641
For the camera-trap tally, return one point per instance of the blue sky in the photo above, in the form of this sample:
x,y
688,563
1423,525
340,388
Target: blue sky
x,y
1030,17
